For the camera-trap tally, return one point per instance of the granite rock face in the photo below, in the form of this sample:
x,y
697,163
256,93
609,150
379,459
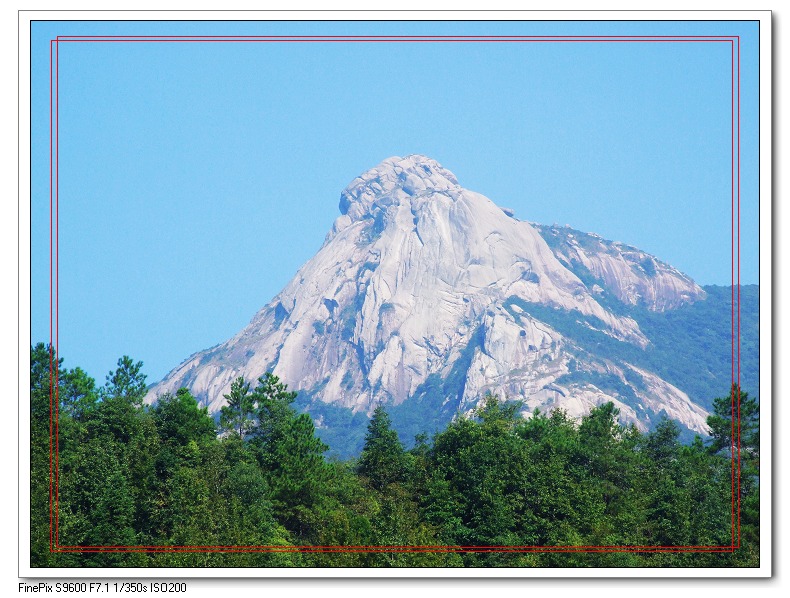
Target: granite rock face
x,y
420,277
631,275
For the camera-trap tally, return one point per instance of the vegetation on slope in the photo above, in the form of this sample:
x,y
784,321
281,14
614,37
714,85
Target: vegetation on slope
x,y
133,483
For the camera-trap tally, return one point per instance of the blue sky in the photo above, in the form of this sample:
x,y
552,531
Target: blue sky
x,y
196,178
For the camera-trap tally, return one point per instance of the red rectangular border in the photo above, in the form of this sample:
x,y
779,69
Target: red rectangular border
x,y
735,127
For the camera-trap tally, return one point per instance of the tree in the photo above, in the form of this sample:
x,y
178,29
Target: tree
x,y
179,419
735,432
78,394
383,459
299,474
287,450
600,428
708,482
561,505
272,401
245,491
97,503
43,363
498,413
236,416
668,505
127,381
599,436
662,445
480,472
744,432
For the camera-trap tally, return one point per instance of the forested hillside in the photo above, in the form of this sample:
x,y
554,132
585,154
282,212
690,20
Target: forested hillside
x,y
133,485
690,347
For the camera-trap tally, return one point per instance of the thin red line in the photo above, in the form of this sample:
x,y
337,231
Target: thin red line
x,y
739,290
57,287
296,548
393,40
332,546
726,37
386,548
397,37
405,550
51,545
455,39
732,279
383,551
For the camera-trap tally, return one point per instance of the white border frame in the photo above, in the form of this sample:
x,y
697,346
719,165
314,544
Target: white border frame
x,y
766,291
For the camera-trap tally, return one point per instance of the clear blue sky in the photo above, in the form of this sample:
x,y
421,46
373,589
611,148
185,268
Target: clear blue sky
x,y
196,178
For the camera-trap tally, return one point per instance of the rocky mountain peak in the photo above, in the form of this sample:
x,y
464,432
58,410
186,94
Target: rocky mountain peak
x,y
391,181
428,293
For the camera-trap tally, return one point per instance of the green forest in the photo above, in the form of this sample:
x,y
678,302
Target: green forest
x,y
132,485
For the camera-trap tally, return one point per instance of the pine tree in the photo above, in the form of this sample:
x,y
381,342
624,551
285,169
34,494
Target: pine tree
x,y
127,381
741,431
735,431
383,459
43,363
78,395
237,415
272,401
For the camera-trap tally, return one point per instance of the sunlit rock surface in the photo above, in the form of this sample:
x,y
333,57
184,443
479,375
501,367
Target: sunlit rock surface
x,y
420,277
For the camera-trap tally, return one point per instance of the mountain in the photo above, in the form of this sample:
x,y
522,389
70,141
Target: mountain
x,y
425,296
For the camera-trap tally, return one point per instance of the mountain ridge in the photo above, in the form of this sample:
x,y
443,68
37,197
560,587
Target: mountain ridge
x,y
420,279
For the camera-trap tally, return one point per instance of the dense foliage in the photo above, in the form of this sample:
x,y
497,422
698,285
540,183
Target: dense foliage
x,y
144,479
